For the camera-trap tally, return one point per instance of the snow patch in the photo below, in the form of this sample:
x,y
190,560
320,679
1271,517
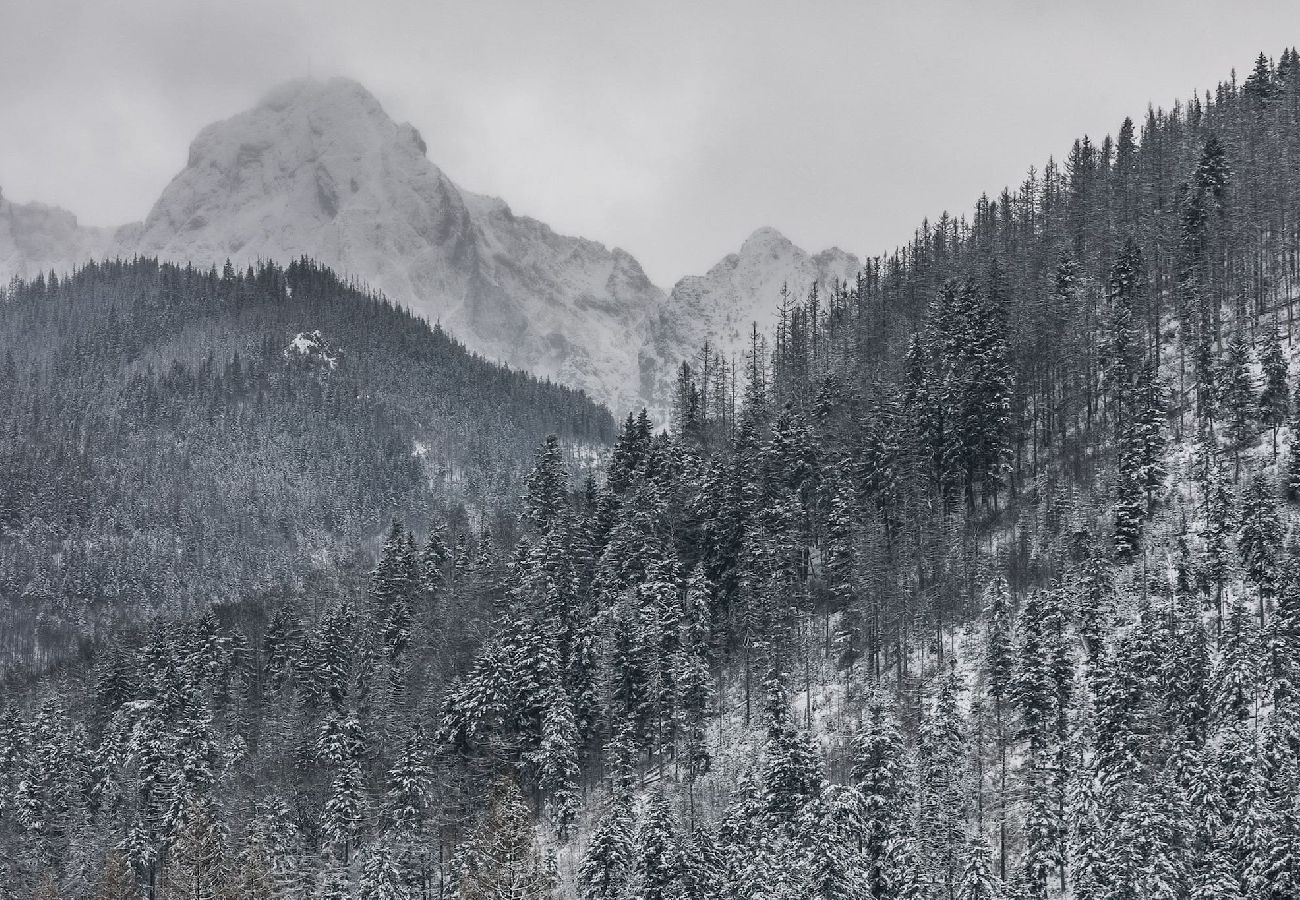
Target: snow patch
x,y
312,348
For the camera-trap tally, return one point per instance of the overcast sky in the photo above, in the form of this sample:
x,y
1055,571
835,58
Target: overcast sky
x,y
672,130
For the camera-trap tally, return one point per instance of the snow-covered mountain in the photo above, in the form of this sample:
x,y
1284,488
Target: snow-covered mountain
x,y
319,169
35,238
743,288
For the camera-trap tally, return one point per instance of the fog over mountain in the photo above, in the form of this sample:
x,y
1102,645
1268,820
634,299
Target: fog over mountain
x,y
319,169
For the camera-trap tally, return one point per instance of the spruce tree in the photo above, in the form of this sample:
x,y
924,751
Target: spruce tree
x,y
344,810
1219,523
500,859
608,862
880,773
657,854
942,758
1260,538
977,879
1237,391
1237,677
999,661
1275,397
557,762
547,487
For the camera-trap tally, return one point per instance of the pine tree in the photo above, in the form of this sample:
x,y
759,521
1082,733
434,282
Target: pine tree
x,y
547,488
703,866
1237,391
410,787
1237,673
1275,397
435,557
942,755
557,762
607,865
380,878
791,772
1121,353
1219,521
977,880
1259,87
1292,474
694,675
344,810
825,835
1260,538
1089,862
500,860
999,664
687,417
1148,440
657,854
880,773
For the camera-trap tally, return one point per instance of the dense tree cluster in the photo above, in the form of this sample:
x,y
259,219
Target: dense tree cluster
x,y
172,438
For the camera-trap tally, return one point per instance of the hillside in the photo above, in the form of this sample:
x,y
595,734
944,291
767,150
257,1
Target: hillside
x,y
979,579
176,439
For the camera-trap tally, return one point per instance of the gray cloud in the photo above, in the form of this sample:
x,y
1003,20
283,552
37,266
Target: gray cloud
x,y
670,129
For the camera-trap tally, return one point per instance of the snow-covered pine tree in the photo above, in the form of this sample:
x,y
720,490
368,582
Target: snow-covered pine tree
x,y
792,775
1219,523
607,865
881,773
1237,674
1259,538
999,667
1275,396
943,799
344,810
547,493
658,855
381,879
977,880
500,859
1238,395
556,761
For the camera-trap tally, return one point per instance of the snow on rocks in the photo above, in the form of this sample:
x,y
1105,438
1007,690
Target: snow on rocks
x,y
313,349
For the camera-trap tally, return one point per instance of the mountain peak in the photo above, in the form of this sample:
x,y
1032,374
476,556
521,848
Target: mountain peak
x,y
305,118
743,288
318,168
764,238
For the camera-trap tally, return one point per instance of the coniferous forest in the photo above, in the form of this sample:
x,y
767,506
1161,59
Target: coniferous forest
x,y
177,440
976,579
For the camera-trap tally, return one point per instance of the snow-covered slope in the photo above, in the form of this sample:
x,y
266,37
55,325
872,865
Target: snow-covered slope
x,y
319,169
743,288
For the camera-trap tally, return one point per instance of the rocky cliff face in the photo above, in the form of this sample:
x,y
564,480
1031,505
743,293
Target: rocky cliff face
x,y
319,169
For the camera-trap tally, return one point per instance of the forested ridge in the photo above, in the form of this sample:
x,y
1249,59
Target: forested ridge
x,y
977,579
174,438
